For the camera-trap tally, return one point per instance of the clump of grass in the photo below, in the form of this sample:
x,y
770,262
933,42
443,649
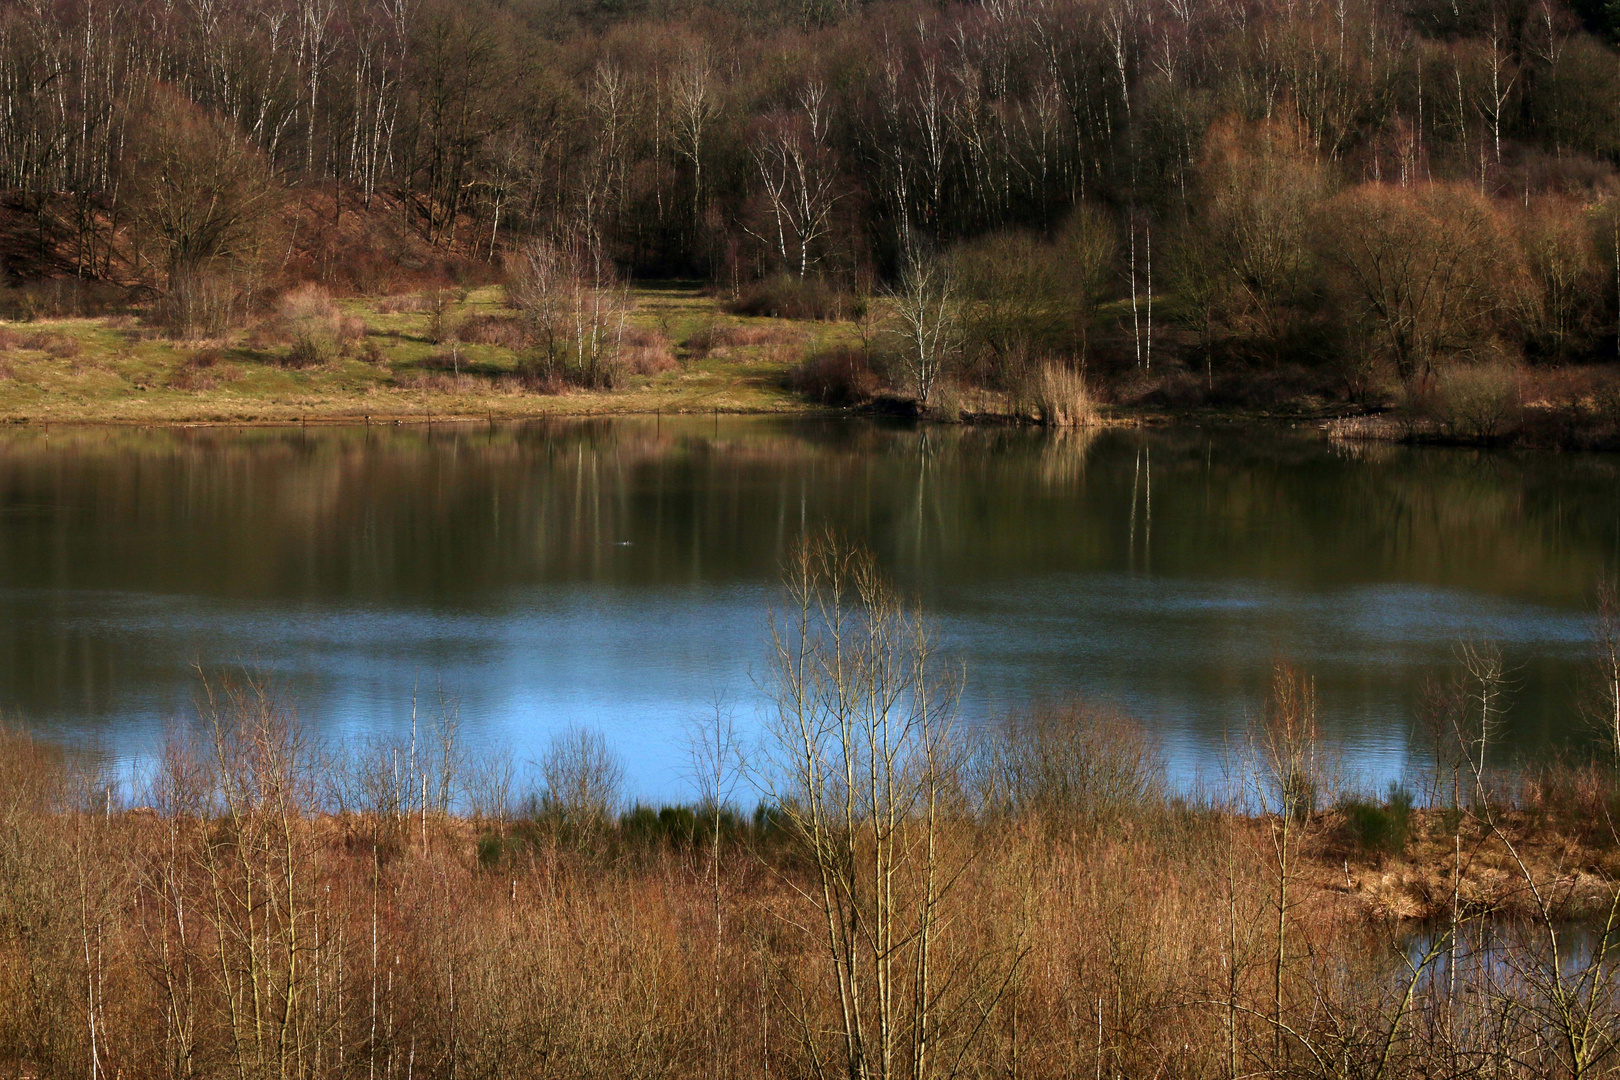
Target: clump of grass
x,y
506,332
57,346
1057,395
646,352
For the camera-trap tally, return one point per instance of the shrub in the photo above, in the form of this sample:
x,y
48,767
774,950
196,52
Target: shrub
x,y
582,784
1169,386
712,339
449,360
304,353
1015,296
1380,828
196,372
646,352
676,826
315,325
409,304
443,382
490,848
62,298
788,297
199,305
1079,761
1478,401
840,376
648,360
947,402
56,346
532,378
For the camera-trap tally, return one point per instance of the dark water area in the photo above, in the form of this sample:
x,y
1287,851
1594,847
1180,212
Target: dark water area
x,y
619,573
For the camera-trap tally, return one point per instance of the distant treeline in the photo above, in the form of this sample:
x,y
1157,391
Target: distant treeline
x,y
1374,189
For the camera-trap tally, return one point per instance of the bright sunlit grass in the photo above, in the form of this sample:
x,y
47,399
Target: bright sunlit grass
x,y
121,370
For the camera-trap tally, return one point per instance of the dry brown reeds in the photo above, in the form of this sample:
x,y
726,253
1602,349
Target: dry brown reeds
x,y
248,917
506,332
1056,394
645,351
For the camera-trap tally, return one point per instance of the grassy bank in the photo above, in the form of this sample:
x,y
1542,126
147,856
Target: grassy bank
x,y
464,354
395,357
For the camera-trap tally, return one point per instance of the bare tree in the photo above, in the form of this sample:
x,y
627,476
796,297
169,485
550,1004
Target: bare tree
x,y
863,761
797,171
1558,298
1425,265
927,321
1288,774
575,308
717,765
694,109
582,779
202,193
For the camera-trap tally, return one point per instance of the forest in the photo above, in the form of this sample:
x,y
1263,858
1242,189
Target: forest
x,y
1183,200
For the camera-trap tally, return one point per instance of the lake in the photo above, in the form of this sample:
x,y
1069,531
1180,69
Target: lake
x,y
618,573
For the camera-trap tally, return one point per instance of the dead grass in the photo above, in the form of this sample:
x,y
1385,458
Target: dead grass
x,y
410,303
647,352
411,941
500,330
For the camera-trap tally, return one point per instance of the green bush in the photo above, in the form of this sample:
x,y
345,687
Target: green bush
x,y
1380,828
490,850
674,825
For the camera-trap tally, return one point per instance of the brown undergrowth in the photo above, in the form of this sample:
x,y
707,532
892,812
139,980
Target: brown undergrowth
x,y
909,900
251,923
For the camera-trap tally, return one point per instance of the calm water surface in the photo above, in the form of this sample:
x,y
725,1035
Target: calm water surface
x,y
618,573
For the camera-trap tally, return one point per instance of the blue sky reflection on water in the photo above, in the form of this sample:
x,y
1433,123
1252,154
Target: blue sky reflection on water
x,y
1187,657
609,576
